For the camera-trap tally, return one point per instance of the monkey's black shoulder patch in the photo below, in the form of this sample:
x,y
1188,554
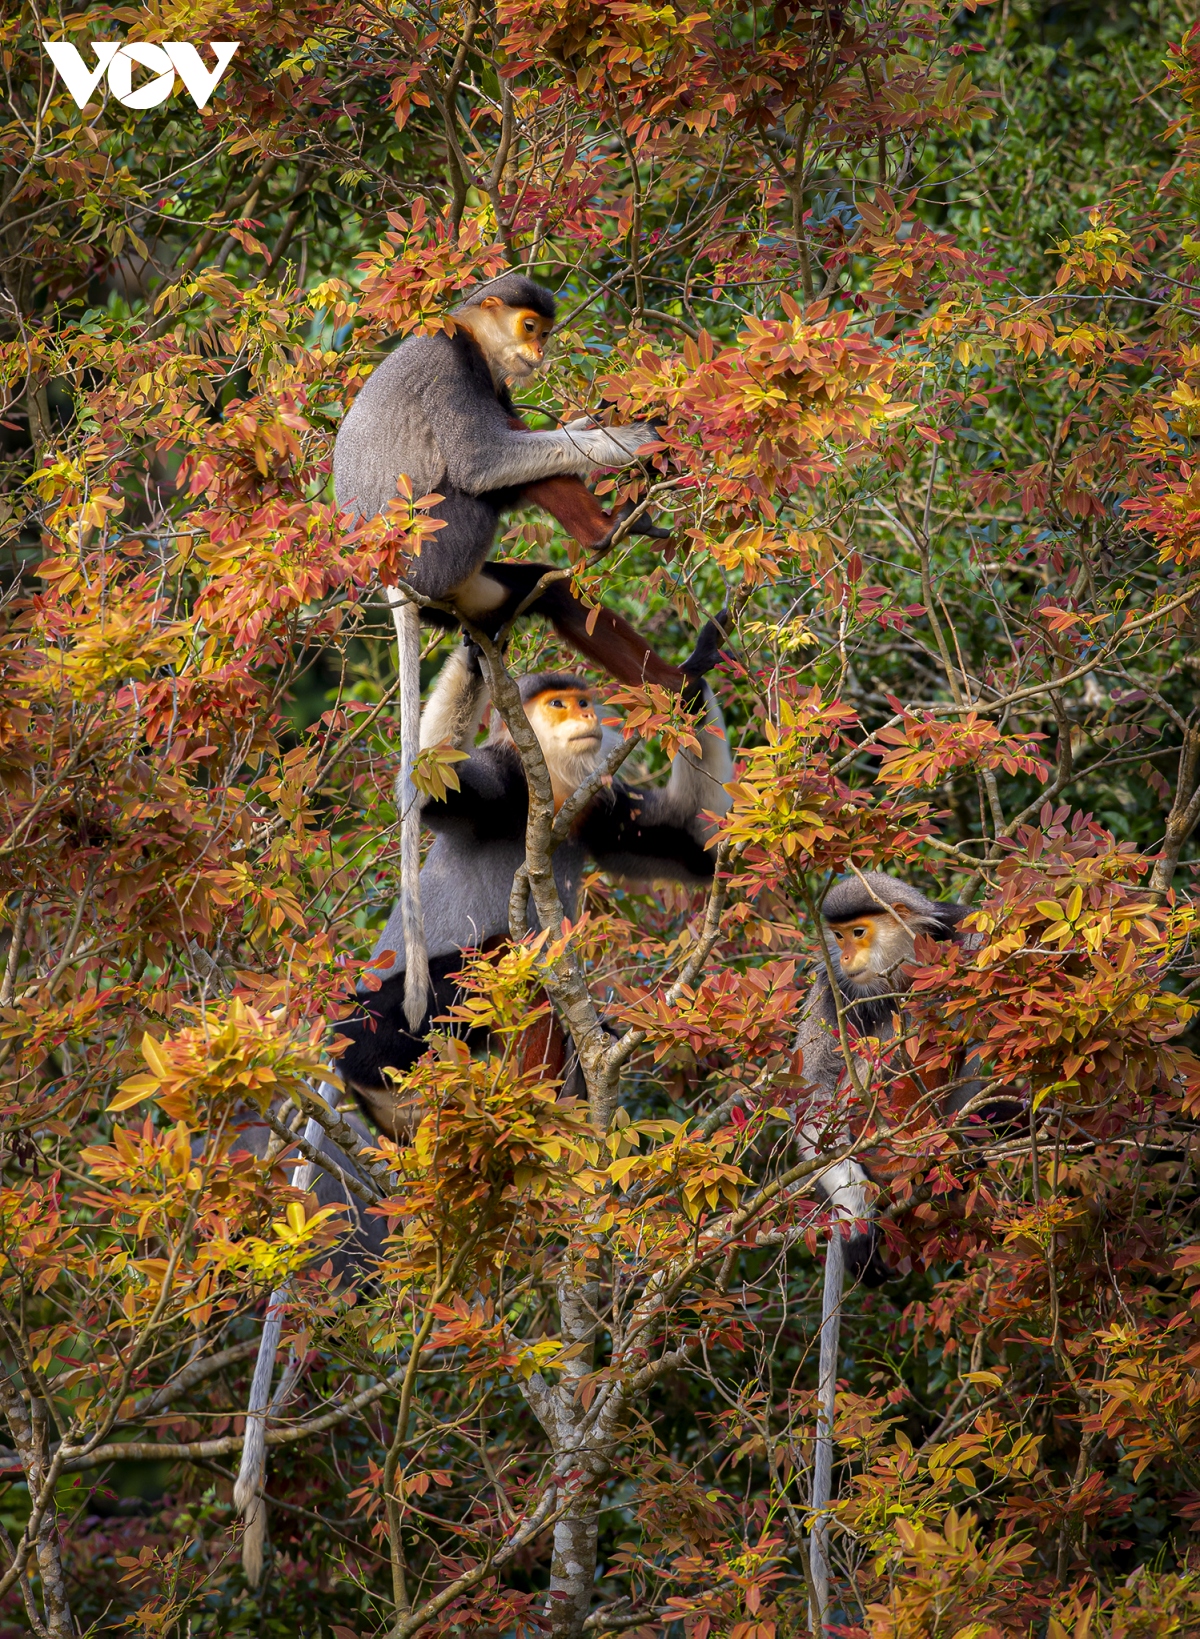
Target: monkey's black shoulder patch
x,y
638,834
492,798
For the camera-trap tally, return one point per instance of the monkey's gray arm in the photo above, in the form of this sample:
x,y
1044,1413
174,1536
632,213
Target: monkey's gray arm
x,y
697,784
482,452
454,710
817,1039
659,835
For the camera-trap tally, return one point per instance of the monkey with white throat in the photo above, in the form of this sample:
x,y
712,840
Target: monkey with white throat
x,y
643,836
871,922
438,409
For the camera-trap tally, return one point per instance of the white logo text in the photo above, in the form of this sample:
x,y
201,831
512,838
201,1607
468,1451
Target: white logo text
x,y
117,60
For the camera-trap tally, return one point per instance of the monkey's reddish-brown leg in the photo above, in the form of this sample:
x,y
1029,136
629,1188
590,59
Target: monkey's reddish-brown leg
x,y
572,503
611,643
543,1046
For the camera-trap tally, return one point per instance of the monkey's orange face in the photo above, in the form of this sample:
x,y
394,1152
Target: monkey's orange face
x,y
513,339
529,331
856,941
566,719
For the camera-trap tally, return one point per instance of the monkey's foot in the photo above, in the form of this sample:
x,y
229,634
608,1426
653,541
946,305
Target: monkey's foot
x,y
864,1263
643,526
707,652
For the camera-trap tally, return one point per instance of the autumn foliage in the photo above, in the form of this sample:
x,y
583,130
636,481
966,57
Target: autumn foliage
x,y
911,293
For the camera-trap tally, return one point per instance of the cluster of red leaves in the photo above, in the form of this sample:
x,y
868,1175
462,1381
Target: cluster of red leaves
x,y
676,66
1062,993
793,815
756,421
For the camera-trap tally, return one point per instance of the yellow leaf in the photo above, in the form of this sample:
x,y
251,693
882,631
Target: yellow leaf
x,y
152,1054
134,1091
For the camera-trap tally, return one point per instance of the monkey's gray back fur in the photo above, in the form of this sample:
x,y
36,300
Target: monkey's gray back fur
x,y
465,887
431,411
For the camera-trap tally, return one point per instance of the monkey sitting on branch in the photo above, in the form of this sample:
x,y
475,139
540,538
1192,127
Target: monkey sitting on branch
x,y
658,835
438,409
871,924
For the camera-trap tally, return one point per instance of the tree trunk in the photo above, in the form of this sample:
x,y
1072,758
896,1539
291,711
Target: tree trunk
x,y
31,1436
573,1568
1184,815
573,1571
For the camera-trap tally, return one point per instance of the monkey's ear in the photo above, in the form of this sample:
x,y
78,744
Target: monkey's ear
x,y
903,911
491,301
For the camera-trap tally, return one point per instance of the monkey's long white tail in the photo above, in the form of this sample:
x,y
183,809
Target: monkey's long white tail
x,y
252,1475
406,618
831,1321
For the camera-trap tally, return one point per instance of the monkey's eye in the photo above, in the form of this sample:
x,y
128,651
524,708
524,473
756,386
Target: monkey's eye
x,y
859,933
556,705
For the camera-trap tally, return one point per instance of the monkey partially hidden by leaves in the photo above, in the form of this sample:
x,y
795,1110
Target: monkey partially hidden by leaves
x,y
871,922
644,836
871,925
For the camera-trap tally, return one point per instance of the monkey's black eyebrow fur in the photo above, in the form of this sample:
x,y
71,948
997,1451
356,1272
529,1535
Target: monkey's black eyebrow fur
x,y
873,893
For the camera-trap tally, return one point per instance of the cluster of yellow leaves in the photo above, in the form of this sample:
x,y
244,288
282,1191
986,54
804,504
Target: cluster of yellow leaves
x,y
1066,990
904,1486
232,1054
699,1169
495,1154
161,1177
1149,1396
192,1198
752,551
110,634
1102,255
792,814
785,799
433,771
297,1236
945,1584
